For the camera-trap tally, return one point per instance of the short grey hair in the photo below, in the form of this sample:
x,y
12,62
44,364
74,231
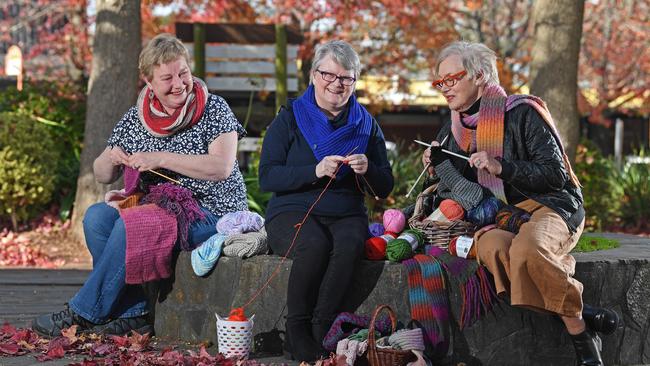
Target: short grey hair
x,y
163,48
341,52
477,58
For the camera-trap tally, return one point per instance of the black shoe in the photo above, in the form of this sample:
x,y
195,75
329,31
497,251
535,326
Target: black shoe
x,y
587,345
124,326
50,325
600,319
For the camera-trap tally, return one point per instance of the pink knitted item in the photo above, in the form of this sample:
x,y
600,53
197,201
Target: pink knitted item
x,y
150,236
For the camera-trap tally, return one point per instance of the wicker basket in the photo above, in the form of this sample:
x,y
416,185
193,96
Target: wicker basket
x,y
438,233
386,356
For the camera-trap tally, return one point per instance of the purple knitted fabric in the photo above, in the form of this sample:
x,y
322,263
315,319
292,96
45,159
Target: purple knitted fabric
x,y
345,324
150,237
131,179
239,222
177,201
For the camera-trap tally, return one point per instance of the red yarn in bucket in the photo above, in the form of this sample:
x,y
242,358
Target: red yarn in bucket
x,y
237,315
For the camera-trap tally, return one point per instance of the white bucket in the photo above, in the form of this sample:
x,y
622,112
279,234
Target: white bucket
x,y
234,337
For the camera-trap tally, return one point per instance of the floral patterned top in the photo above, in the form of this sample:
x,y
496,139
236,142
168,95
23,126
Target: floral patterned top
x,y
220,197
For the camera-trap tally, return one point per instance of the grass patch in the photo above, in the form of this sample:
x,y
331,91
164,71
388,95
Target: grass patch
x,y
593,243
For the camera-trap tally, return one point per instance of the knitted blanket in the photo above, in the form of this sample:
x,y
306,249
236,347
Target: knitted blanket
x,y
151,233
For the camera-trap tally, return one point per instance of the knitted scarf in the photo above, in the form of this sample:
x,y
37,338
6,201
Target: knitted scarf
x,y
323,138
489,133
428,298
155,119
472,281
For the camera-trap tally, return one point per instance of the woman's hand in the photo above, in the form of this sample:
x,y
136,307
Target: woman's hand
x,y
117,156
327,166
426,157
482,160
358,163
144,161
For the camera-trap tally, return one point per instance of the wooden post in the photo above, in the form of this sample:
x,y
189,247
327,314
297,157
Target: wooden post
x,y
280,66
199,50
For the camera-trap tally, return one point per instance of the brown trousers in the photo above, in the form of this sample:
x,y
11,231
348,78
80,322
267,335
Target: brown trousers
x,y
534,266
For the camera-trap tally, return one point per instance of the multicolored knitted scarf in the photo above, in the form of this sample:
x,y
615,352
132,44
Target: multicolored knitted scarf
x,y
489,132
155,119
428,298
473,282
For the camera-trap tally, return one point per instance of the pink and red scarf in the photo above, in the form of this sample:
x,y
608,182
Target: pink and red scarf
x,y
489,133
155,119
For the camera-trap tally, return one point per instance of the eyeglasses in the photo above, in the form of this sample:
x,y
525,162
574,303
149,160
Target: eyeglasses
x,y
330,77
449,80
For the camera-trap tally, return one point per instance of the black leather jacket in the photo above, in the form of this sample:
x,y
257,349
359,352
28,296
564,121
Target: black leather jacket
x,y
532,165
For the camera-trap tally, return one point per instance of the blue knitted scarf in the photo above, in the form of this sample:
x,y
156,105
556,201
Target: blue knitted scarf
x,y
323,138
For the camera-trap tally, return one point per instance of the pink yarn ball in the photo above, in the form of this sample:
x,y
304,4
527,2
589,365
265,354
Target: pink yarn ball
x,y
394,220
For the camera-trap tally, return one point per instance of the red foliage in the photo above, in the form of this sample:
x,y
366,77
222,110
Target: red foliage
x,y
614,59
112,350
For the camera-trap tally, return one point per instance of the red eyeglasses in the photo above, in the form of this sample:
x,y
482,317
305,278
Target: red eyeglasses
x,y
449,80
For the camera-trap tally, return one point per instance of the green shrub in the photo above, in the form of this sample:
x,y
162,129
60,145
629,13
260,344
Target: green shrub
x,y
61,109
28,157
600,189
634,181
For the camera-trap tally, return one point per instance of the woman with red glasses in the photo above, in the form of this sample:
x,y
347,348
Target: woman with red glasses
x,y
516,155
323,141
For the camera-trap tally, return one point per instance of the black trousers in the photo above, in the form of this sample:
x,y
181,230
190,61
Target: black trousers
x,y
324,257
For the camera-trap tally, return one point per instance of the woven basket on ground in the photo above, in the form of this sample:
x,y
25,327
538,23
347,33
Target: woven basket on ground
x,y
438,233
386,356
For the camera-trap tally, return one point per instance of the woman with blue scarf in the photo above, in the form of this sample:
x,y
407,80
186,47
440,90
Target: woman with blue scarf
x,y
323,135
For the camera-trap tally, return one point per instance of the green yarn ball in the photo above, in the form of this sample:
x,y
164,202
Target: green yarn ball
x,y
398,250
418,235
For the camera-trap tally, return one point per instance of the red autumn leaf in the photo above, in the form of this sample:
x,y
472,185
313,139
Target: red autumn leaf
x,y
120,341
52,354
102,348
70,334
139,342
9,348
7,329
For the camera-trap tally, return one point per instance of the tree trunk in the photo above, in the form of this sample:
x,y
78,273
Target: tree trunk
x,y
112,90
554,66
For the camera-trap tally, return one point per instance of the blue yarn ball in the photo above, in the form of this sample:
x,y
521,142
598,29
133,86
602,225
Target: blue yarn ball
x,y
485,212
376,229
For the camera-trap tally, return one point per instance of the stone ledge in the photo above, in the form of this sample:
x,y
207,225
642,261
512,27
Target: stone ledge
x,y
617,278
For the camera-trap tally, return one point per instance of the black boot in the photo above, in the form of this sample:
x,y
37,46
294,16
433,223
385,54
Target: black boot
x,y
600,319
300,344
587,345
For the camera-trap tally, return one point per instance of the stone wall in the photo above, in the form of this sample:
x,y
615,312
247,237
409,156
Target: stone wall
x,y
619,279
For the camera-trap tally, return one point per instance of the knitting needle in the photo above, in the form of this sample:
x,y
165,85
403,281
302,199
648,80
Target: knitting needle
x,y
443,150
164,176
423,170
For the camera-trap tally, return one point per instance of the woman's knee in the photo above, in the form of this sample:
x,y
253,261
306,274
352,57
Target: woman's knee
x,y
100,216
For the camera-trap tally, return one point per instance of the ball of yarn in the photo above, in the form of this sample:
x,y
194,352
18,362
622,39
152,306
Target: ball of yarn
x,y
415,238
375,248
453,251
510,218
376,229
398,250
452,210
394,220
485,212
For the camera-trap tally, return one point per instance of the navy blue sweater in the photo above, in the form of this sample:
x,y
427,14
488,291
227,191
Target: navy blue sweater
x,y
288,169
